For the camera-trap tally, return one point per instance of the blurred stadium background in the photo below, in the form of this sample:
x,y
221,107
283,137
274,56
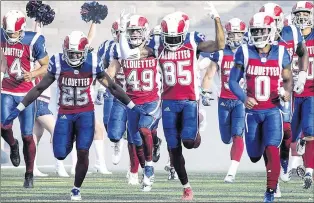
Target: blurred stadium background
x,y
212,155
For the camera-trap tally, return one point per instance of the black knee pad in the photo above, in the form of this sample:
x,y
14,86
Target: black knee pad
x,y
113,140
189,144
255,159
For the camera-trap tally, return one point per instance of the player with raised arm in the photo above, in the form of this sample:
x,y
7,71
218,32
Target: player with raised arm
x,y
21,48
263,66
142,85
74,70
176,52
230,108
291,37
303,115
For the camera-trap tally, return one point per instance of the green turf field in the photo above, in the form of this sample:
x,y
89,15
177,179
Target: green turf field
x,y
249,187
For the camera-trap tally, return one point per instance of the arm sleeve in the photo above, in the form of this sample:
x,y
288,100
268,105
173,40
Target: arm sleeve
x,y
239,57
39,48
235,76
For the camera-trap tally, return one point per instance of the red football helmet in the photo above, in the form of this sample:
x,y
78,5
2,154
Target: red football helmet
x,y
75,48
115,30
302,14
262,29
235,29
137,30
14,25
174,30
276,11
185,17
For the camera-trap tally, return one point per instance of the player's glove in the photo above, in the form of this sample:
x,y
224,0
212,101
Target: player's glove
x,y
100,98
210,8
206,97
124,18
14,114
90,49
299,85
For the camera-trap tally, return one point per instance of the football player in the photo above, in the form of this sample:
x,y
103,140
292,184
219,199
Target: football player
x,y
74,70
21,48
303,115
176,51
263,66
230,108
291,38
143,86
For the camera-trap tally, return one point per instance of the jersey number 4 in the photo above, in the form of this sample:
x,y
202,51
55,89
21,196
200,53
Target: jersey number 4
x,y
74,96
144,83
16,68
174,72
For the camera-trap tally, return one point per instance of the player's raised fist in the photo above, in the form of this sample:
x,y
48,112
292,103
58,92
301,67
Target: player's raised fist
x,y
211,10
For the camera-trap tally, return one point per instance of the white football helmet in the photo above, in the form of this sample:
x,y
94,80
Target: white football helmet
x,y
185,17
14,25
276,11
173,32
115,30
235,29
137,30
302,14
262,30
75,48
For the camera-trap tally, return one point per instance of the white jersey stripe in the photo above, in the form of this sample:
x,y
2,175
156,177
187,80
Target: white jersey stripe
x,y
245,51
195,67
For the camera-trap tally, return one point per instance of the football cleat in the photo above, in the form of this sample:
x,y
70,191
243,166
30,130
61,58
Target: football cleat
x,y
301,146
15,154
38,173
146,188
269,195
102,170
187,194
308,180
301,171
117,151
229,178
29,180
285,172
149,176
167,166
277,194
133,179
75,194
172,174
156,151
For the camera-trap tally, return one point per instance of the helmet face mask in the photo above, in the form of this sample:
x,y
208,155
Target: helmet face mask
x,y
136,36
173,43
235,39
303,19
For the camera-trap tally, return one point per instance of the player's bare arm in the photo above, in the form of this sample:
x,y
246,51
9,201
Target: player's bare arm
x,y
113,68
35,92
286,75
303,55
218,44
114,88
209,75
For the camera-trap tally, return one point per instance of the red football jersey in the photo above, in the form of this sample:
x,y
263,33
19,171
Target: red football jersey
x,y
180,70
20,58
142,79
263,75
